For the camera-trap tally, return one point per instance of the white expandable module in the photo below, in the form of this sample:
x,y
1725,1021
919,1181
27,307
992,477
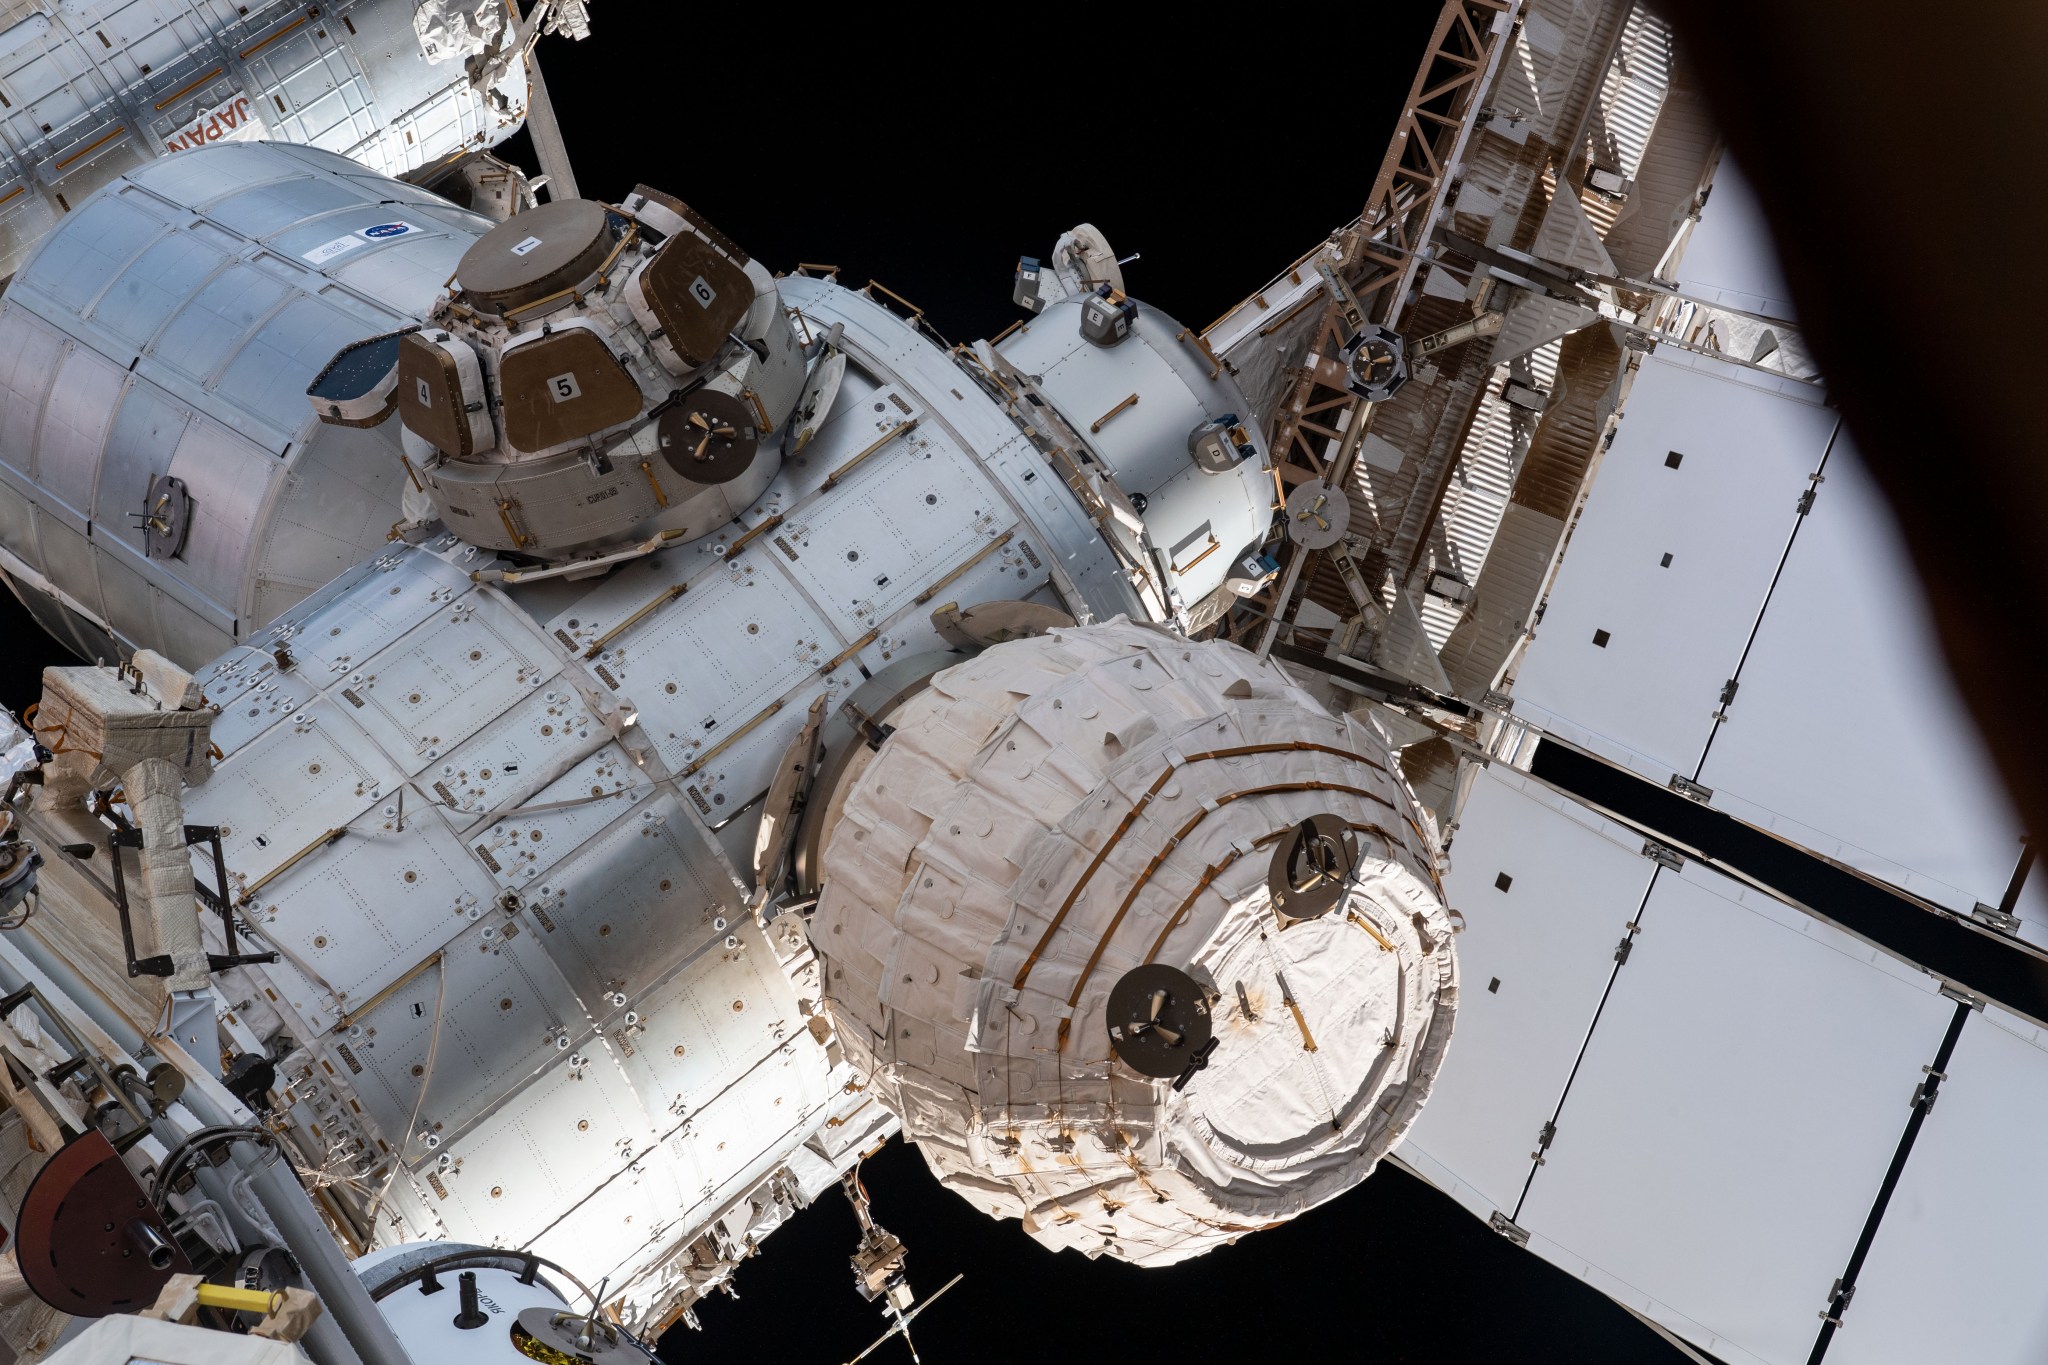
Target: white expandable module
x,y
1051,817
165,485
98,88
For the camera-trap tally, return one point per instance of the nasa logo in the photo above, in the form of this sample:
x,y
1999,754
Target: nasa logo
x,y
341,246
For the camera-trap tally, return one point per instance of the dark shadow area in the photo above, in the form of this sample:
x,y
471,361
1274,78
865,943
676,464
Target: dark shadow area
x,y
1393,1271
1845,115
2003,969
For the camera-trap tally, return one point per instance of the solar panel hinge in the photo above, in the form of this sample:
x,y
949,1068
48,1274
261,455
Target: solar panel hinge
x,y
1508,1228
1925,1093
1962,996
1728,690
1663,855
1691,790
1622,950
2003,920
1806,502
1543,1141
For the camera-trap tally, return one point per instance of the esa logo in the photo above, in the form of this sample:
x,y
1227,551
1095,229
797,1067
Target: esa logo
x,y
383,230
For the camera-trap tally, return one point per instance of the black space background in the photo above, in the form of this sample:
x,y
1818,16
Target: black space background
x,y
931,168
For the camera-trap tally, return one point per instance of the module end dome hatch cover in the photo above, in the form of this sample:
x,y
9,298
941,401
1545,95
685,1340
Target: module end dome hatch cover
x,y
88,1241
1158,1021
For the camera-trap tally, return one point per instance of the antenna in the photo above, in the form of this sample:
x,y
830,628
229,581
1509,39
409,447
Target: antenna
x,y
878,1271
902,1324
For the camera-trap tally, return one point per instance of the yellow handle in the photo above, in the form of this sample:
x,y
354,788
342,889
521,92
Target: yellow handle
x,y
240,1300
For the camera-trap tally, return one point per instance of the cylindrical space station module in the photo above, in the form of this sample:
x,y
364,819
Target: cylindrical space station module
x,y
95,89
165,485
1142,945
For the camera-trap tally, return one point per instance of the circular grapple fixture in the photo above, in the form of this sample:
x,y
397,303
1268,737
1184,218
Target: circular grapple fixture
x,y
456,1301
1311,868
88,1241
1144,946
710,437
1375,363
1158,1018
1317,515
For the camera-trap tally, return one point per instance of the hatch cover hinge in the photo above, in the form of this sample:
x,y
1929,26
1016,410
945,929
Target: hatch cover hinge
x,y
1998,919
1663,855
1508,1228
1691,790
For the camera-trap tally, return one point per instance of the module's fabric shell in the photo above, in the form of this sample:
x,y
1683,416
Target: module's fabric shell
x,y
1141,781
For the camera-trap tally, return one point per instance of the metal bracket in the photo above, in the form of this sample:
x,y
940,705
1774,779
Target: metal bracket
x,y
1508,1228
1381,687
2003,920
216,899
1663,855
1962,997
82,1058
1199,1062
1691,790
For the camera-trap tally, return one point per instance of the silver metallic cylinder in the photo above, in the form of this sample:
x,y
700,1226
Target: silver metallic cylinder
x,y
163,483
115,86
351,1320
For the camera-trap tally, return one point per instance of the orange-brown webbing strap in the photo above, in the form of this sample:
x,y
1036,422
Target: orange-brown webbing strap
x,y
1138,809
1215,804
1216,869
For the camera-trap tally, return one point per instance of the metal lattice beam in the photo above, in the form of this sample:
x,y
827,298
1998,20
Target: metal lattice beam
x,y
1379,253
1316,431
